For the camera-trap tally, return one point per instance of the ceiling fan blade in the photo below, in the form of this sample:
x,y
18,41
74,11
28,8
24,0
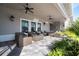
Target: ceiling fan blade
x,y
31,11
26,12
31,8
26,5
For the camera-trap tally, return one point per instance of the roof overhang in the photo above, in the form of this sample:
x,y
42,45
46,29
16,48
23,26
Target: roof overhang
x,y
42,10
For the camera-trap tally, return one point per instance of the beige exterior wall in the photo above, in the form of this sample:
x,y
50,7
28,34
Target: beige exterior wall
x,y
9,27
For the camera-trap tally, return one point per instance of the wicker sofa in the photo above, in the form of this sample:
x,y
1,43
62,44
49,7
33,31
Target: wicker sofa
x,y
22,40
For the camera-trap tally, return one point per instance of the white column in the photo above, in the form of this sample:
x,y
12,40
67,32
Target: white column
x,y
36,26
29,26
67,22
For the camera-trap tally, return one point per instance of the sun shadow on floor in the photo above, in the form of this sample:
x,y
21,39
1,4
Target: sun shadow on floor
x,y
6,47
15,52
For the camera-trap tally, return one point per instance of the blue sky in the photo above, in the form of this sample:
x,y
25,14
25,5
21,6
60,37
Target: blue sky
x,y
75,7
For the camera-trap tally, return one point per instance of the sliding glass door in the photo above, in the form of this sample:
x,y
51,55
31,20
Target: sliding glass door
x,y
33,27
25,26
39,27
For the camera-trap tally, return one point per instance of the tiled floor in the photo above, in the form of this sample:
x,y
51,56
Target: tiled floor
x,y
39,48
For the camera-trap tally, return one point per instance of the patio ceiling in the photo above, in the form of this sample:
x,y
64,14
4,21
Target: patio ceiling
x,y
42,10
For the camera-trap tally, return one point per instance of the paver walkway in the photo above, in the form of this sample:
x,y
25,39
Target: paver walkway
x,y
39,48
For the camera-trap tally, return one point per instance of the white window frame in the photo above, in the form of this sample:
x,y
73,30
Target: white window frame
x,y
21,23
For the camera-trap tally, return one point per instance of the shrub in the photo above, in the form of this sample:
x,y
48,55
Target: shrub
x,y
72,49
68,47
56,52
74,27
65,47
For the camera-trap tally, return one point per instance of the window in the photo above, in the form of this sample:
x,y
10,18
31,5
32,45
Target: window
x,y
25,26
52,27
33,26
39,26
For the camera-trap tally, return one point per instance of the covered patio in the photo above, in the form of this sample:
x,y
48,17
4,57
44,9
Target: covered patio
x,y
20,27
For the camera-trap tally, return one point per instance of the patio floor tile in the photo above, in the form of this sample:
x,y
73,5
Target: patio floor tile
x,y
39,48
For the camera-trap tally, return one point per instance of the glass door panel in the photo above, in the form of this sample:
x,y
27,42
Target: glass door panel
x,y
33,26
24,26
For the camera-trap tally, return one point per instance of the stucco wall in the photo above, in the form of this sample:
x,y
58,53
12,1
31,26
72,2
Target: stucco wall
x,y
7,26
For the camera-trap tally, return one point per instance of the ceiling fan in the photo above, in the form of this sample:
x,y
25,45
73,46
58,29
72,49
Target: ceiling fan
x,y
28,9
